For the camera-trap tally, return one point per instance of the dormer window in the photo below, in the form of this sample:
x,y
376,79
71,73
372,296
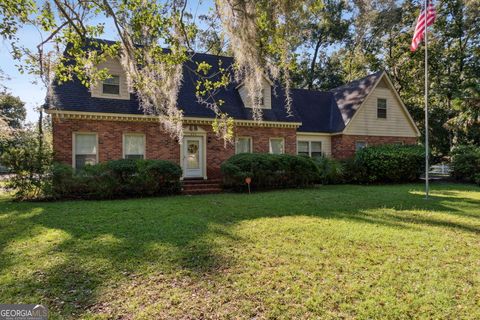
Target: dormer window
x,y
112,85
261,98
260,101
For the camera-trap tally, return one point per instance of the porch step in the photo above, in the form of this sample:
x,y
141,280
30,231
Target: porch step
x,y
201,181
200,186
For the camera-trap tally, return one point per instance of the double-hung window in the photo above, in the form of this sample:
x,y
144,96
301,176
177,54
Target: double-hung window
x,y
85,149
382,108
243,145
111,85
277,145
134,146
303,148
310,148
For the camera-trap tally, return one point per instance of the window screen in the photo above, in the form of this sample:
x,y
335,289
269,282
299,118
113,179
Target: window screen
x,y
85,149
302,148
243,145
382,108
316,149
112,85
276,146
134,146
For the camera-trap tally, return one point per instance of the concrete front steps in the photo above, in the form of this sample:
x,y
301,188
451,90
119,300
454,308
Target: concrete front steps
x,y
201,186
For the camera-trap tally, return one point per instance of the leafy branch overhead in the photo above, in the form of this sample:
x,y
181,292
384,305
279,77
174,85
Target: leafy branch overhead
x,y
313,44
155,39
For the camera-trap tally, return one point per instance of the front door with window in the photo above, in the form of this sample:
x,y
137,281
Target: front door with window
x,y
193,157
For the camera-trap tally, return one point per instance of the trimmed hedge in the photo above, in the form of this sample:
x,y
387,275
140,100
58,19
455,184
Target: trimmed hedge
x,y
331,171
466,163
117,179
268,171
389,163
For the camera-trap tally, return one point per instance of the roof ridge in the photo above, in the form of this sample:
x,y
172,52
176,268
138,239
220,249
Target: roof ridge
x,y
190,52
312,90
348,84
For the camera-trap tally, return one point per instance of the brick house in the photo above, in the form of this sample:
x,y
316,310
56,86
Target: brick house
x,y
106,123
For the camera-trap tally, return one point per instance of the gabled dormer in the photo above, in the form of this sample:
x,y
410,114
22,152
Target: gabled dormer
x,y
116,86
266,99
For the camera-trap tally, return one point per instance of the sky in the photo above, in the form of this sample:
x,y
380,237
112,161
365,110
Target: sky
x,y
25,86
22,85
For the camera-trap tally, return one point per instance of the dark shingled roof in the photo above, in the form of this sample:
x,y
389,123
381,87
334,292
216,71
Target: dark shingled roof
x,y
317,111
73,96
350,96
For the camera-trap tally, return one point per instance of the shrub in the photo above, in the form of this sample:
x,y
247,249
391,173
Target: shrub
x,y
330,170
269,171
117,179
352,172
466,163
28,157
389,163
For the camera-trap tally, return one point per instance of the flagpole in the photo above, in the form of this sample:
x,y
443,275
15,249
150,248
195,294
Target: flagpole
x,y
427,187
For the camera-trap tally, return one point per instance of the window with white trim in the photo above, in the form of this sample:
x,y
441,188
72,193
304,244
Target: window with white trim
x,y
85,149
277,145
310,148
303,148
243,145
382,108
133,146
111,85
359,145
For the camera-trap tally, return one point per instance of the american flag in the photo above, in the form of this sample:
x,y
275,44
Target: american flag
x,y
429,18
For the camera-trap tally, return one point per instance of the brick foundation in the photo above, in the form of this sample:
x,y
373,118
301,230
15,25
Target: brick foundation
x,y
159,145
343,146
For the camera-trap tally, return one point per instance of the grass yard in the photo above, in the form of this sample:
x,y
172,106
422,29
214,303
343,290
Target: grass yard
x,y
364,252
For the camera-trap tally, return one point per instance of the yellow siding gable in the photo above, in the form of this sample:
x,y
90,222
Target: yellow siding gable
x,y
397,123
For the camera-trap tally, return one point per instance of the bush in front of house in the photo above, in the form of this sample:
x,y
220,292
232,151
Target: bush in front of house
x,y
117,179
466,163
269,171
28,157
389,163
352,172
330,171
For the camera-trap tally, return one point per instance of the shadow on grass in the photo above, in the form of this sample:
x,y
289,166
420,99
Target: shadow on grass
x,y
110,240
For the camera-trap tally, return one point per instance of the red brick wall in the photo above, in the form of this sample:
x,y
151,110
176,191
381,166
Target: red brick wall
x,y
159,145
343,146
218,152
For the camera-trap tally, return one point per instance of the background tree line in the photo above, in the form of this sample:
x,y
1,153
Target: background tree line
x,y
348,40
315,44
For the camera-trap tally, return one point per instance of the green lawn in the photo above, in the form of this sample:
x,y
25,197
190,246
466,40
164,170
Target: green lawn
x,y
365,252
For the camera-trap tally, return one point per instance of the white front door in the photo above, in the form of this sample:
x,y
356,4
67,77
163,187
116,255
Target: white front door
x,y
193,157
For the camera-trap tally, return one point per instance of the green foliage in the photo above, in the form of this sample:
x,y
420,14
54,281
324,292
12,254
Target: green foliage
x,y
116,179
12,110
352,172
390,163
269,171
466,163
334,252
330,170
29,161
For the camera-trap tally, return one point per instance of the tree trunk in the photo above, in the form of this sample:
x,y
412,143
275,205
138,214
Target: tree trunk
x,y
312,65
